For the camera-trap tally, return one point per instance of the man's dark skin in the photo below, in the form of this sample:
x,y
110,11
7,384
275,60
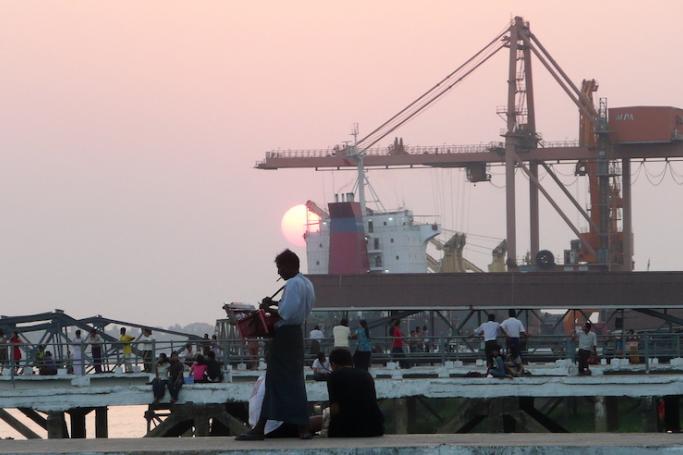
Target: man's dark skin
x,y
286,272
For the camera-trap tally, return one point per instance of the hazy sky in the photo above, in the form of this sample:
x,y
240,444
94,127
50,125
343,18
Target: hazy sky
x,y
130,131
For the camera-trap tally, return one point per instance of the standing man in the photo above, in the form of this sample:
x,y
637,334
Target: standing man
x,y
587,345
285,396
146,344
490,330
513,329
95,342
125,341
76,350
341,334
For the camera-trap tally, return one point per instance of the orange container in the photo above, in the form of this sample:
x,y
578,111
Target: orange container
x,y
645,124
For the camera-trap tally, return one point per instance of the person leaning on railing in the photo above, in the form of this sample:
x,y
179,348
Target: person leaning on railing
x,y
4,357
15,341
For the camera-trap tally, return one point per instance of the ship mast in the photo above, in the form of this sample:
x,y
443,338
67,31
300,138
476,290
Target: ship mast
x,y
358,156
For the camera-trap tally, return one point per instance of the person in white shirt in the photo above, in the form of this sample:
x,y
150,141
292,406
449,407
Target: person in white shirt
x,y
285,396
490,330
321,367
588,342
146,345
341,334
513,329
187,355
76,351
316,336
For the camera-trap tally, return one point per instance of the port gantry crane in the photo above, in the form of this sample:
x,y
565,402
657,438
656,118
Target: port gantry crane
x,y
601,153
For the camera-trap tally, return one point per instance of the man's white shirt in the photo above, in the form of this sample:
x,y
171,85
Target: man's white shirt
x,y
490,330
297,301
513,327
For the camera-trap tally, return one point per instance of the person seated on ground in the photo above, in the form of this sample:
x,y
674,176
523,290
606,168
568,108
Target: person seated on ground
x,y
175,377
497,368
274,428
48,366
198,370
321,368
514,366
353,401
213,368
160,380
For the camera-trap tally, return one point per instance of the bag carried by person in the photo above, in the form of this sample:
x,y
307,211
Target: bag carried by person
x,y
258,323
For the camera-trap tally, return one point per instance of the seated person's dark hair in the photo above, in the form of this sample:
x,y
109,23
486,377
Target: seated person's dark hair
x,y
287,258
341,357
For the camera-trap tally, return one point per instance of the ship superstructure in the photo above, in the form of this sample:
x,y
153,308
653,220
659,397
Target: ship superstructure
x,y
394,241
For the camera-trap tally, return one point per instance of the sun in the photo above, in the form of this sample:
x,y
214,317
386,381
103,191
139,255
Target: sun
x,y
294,223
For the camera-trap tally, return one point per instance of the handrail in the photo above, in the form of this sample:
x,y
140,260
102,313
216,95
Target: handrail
x,y
640,348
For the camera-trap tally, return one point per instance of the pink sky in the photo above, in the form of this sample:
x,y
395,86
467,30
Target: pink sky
x,y
130,131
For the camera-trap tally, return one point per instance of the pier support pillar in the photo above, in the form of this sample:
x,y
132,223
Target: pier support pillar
x,y
612,408
648,415
77,416
600,415
411,414
201,423
672,421
101,422
56,426
494,421
400,416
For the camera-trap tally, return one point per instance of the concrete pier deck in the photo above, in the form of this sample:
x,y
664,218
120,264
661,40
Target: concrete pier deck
x,y
60,394
471,444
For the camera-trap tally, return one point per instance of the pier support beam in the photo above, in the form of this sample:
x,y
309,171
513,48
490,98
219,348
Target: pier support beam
x,y
17,425
102,422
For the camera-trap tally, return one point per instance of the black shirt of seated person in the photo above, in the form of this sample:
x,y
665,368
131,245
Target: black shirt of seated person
x,y
353,401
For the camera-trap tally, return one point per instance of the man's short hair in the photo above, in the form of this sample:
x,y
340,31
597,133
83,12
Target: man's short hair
x,y
287,258
344,321
512,313
341,357
492,317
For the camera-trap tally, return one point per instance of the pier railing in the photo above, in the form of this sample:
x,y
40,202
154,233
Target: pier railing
x,y
646,349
